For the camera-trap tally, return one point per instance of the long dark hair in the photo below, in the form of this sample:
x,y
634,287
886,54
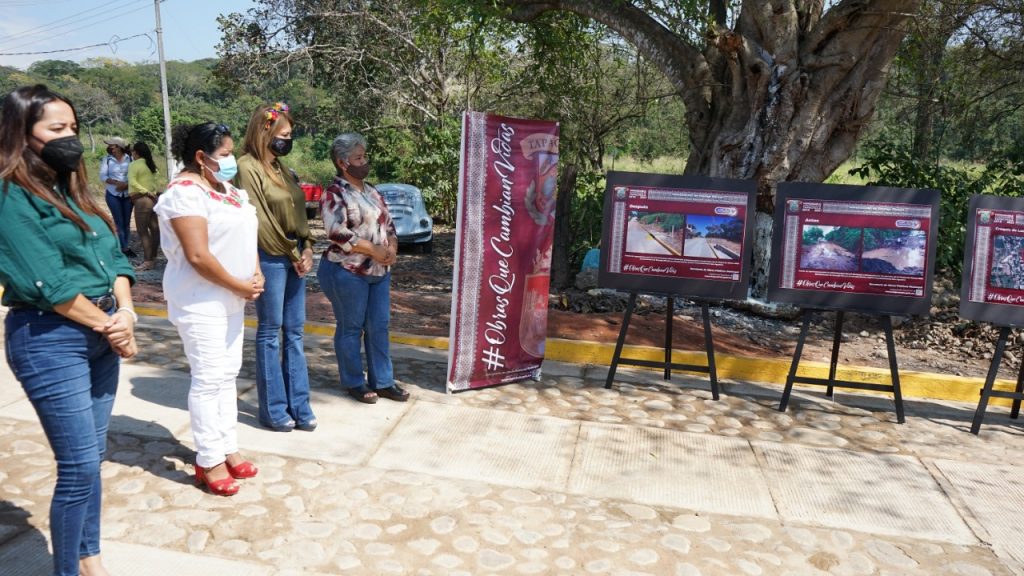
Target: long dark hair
x,y
19,112
142,149
186,140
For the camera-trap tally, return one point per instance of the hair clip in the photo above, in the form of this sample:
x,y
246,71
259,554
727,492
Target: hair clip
x,y
272,113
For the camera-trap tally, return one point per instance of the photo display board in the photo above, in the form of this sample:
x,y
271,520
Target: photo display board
x,y
677,235
862,248
992,289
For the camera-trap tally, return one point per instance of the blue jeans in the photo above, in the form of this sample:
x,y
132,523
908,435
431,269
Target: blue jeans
x,y
362,307
69,373
121,212
282,378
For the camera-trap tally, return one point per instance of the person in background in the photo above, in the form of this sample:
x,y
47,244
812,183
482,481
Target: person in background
x,y
142,190
208,229
286,256
114,175
68,287
355,273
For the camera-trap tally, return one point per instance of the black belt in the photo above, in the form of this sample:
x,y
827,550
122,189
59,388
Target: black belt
x,y
107,302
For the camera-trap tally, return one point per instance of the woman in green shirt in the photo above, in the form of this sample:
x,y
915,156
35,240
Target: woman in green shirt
x,y
70,321
286,256
142,189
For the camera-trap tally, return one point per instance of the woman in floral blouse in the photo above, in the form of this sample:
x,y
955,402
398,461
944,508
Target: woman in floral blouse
x,y
209,232
355,273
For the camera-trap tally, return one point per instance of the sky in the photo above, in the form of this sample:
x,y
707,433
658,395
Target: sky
x,y
189,29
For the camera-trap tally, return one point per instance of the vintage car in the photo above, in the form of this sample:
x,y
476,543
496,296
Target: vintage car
x,y
413,223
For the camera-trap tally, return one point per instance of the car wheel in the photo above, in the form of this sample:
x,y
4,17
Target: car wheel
x,y
427,247
311,213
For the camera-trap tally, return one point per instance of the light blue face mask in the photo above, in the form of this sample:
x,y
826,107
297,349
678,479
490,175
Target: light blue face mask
x,y
227,168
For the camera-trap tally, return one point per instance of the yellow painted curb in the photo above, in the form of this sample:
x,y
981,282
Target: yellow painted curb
x,y
744,368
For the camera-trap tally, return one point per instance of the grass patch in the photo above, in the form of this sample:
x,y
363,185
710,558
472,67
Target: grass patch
x,y
659,165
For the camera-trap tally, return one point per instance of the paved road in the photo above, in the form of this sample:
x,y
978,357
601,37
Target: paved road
x,y
554,477
639,240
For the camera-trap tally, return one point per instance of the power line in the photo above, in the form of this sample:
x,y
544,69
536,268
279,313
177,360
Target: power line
x,y
43,27
113,42
60,27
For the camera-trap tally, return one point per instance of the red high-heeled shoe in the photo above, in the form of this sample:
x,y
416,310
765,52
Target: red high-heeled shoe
x,y
222,487
244,470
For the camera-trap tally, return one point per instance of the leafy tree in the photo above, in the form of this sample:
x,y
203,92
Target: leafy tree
x,y
148,124
132,88
845,237
51,70
93,105
812,235
773,91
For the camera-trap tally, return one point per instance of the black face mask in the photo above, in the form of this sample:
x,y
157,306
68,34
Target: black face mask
x,y
63,154
281,146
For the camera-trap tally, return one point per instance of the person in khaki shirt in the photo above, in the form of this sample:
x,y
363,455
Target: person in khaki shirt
x,y
286,256
142,189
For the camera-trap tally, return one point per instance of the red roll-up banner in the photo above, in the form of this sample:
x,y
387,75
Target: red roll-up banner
x,y
507,184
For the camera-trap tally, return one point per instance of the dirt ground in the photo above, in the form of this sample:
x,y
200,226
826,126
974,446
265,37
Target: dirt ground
x,y
421,304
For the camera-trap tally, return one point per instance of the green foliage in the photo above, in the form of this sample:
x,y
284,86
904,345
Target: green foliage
x,y
311,160
52,70
586,215
429,161
875,238
148,125
664,220
845,237
729,229
812,235
895,166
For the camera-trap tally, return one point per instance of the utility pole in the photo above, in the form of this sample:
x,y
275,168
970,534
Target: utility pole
x,y
163,92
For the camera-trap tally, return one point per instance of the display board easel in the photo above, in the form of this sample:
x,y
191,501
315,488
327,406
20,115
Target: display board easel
x,y
667,365
987,392
831,382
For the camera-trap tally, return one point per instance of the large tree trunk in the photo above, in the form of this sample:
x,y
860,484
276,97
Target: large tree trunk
x,y
561,273
784,96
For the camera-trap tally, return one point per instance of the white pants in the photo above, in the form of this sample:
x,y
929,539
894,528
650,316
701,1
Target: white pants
x,y
213,346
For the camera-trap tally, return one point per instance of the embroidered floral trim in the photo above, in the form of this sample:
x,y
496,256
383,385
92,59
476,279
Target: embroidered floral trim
x,y
231,197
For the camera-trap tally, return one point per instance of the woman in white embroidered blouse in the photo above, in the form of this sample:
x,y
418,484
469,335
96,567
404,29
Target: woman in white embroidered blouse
x,y
208,229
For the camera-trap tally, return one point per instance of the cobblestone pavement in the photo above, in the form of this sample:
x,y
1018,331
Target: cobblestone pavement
x,y
316,517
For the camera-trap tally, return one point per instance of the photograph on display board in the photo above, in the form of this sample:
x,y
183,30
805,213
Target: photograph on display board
x,y
992,288
865,248
681,235
657,233
717,237
830,248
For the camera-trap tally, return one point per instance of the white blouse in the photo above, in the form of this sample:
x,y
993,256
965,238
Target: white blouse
x,y
231,229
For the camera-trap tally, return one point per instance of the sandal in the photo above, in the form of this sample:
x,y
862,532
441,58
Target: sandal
x,y
393,392
363,394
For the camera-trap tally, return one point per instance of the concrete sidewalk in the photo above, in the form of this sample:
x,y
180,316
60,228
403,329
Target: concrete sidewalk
x,y
556,477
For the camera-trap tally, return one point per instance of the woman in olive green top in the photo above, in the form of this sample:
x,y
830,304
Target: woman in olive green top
x,y
71,319
142,189
286,256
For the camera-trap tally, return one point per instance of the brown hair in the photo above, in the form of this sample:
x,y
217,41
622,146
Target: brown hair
x,y
260,132
19,112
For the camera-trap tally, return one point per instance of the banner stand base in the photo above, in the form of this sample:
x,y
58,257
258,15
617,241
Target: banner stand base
x,y
987,392
831,381
668,365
